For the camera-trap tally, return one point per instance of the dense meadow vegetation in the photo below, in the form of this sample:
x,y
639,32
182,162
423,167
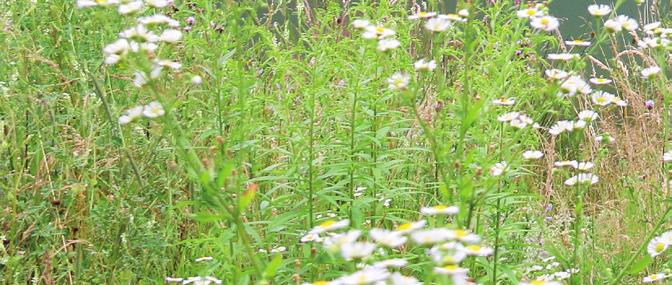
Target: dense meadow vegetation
x,y
333,142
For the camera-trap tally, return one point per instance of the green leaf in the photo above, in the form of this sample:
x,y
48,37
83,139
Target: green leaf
x,y
640,265
247,196
272,267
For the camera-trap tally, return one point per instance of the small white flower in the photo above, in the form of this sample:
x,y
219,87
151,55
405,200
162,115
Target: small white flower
x,y
367,275
170,36
572,85
600,81
556,74
360,23
602,98
398,81
503,101
398,279
450,269
388,44
432,236
437,24
499,168
580,43
202,280
667,157
521,122
656,246
532,154
391,239
410,227
529,13
654,278
333,243
477,250
422,15
587,116
650,72
423,65
613,26
329,226
159,20
463,13
394,263
196,80
157,3
562,56
377,32
508,117
608,139
546,23
582,178
599,10
440,210
560,127
203,259
627,23
585,165
153,110
130,7
173,280
357,250
311,237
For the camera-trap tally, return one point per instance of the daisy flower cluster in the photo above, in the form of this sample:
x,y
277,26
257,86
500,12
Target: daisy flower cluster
x,y
539,19
446,247
435,22
546,272
657,246
656,36
138,46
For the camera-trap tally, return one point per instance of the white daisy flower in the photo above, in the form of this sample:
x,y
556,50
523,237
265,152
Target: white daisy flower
x,y
587,116
452,17
437,24
432,236
627,23
584,165
532,154
599,10
572,163
650,72
530,13
450,269
329,226
560,127
171,36
422,15
503,101
556,74
440,210
367,275
521,122
398,279
423,65
613,26
546,23
562,56
466,236
157,3
388,44
602,98
656,246
159,20
153,110
580,43
202,280
448,253
600,81
608,139
377,32
410,227
508,117
393,263
654,278
196,80
357,250
333,243
311,237
391,239
360,23
131,114
477,250
652,28
582,178
499,168
572,85
130,7
399,81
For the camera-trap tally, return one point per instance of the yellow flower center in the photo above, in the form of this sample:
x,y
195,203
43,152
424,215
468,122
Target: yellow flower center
x,y
531,12
327,223
362,279
538,282
404,227
653,277
450,267
474,247
380,30
461,233
601,100
449,260
544,21
440,207
422,14
321,283
660,247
